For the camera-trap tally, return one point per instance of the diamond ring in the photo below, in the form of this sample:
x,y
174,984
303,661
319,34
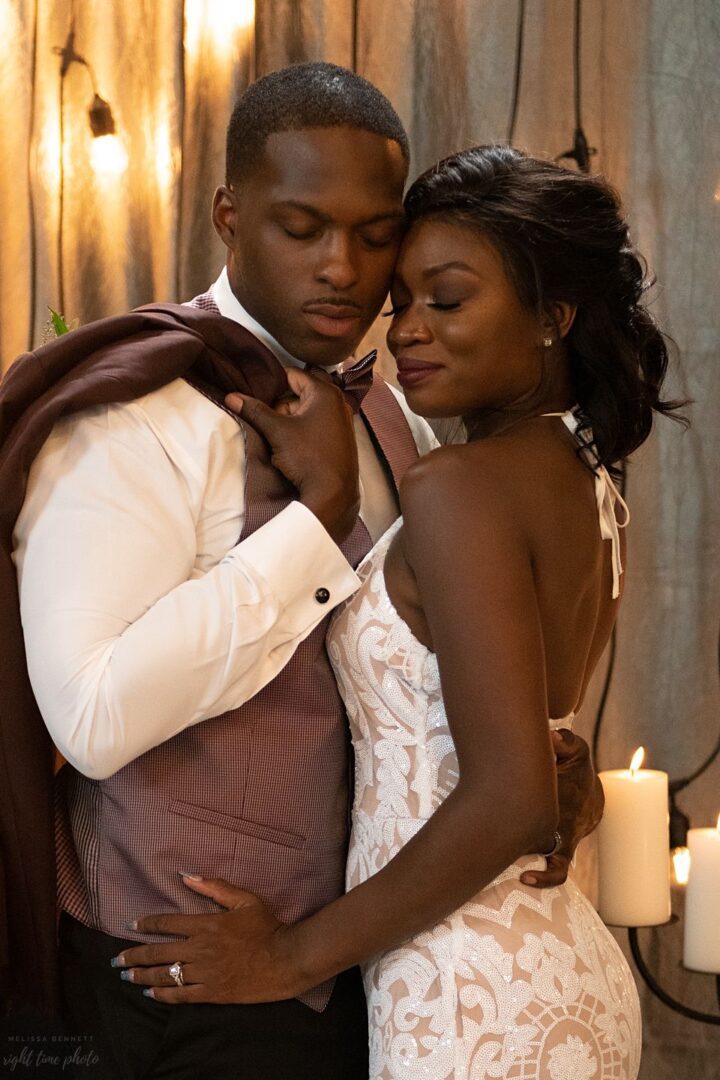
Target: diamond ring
x,y
176,972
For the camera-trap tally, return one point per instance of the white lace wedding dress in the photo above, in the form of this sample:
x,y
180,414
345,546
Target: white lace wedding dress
x,y
519,983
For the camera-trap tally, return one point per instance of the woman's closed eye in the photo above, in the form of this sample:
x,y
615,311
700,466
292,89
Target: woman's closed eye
x,y
437,305
447,305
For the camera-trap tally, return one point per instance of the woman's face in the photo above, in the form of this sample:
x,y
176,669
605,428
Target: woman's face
x,y
461,338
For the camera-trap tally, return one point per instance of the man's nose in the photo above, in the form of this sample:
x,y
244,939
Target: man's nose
x,y
338,266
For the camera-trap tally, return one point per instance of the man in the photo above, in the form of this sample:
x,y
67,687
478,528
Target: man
x,y
181,671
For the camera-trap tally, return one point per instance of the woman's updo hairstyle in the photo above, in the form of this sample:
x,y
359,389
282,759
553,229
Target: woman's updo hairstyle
x,y
562,237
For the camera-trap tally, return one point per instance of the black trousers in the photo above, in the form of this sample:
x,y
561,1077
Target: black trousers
x,y
134,1037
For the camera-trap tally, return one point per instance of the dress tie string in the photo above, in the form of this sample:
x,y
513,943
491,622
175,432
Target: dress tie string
x,y
607,497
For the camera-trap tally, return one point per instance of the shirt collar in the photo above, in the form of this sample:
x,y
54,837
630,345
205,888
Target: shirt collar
x,y
231,308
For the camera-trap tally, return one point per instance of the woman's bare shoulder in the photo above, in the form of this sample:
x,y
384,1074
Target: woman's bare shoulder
x,y
488,467
458,497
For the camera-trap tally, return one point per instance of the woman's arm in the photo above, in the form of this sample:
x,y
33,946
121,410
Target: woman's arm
x,y
474,573
472,563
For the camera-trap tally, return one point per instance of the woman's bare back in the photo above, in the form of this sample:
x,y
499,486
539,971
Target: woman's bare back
x,y
553,492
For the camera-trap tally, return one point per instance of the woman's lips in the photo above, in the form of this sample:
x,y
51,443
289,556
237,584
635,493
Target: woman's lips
x,y
412,372
330,321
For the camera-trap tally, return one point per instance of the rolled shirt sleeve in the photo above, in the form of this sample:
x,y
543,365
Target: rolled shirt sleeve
x,y
142,613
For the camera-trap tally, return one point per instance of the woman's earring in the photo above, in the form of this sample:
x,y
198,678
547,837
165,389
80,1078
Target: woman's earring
x,y
547,342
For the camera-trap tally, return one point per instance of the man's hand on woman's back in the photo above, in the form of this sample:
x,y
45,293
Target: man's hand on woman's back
x,y
581,802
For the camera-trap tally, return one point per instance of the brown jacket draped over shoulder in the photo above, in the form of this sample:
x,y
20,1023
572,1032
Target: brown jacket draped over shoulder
x,y
115,360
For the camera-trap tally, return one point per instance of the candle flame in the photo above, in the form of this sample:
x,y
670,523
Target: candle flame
x,y
637,760
681,865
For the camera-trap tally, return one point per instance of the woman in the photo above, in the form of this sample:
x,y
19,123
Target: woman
x,y
481,616
515,305
484,612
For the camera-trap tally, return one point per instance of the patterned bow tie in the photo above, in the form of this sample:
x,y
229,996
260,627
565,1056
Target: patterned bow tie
x,y
355,381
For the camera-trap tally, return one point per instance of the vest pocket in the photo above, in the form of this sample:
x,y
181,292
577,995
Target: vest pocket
x,y
237,825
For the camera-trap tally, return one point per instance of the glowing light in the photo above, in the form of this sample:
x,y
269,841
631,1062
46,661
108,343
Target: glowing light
x,y
108,155
166,160
718,824
681,865
216,23
48,155
637,760
716,196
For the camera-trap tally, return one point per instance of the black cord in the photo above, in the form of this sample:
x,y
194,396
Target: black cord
x,y
600,714
677,817
679,824
68,56
518,72
61,202
580,152
182,107
577,65
679,785
684,781
656,988
355,27
30,187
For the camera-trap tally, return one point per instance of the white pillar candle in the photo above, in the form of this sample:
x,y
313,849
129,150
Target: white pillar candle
x,y
633,847
701,950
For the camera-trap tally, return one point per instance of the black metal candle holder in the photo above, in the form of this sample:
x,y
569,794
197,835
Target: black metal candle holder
x,y
652,983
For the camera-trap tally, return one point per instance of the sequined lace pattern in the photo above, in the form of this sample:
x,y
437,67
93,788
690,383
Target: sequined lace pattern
x,y
518,984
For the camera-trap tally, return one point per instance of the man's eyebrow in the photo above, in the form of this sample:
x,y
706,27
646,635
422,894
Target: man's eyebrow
x,y
306,208
456,264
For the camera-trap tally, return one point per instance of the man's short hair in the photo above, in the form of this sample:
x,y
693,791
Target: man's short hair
x,y
314,95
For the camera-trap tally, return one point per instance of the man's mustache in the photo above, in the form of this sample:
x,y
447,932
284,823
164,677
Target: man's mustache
x,y
334,301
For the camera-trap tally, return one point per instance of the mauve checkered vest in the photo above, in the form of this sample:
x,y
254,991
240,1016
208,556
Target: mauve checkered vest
x,y
258,796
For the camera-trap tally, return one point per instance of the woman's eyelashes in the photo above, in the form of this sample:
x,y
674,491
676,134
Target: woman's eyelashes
x,y
436,305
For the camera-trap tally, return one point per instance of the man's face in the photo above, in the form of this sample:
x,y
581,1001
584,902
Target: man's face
x,y
312,234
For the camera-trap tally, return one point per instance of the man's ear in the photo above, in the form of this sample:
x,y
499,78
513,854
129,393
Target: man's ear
x,y
561,317
224,215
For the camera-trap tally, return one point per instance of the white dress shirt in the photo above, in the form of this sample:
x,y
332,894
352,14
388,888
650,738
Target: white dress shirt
x,y
142,614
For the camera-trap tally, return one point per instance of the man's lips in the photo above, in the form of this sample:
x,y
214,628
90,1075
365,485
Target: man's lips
x,y
333,320
412,371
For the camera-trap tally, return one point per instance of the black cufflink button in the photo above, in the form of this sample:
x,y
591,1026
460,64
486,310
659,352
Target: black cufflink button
x,y
322,596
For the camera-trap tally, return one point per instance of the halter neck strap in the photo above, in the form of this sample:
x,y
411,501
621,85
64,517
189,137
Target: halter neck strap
x,y
607,497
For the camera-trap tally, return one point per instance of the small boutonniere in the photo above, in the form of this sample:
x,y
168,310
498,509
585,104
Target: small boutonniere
x,y
57,325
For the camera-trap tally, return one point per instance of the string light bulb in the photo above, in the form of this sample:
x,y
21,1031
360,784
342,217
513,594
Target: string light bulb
x,y
107,153
101,118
